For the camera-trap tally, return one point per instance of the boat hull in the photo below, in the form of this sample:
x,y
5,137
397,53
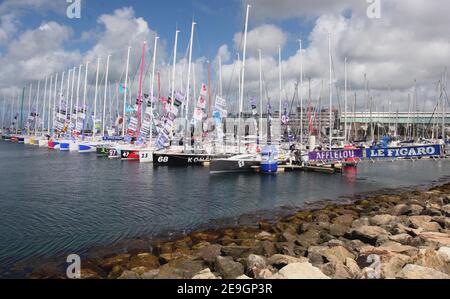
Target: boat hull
x,y
86,148
64,146
129,155
181,160
146,156
226,165
102,151
53,144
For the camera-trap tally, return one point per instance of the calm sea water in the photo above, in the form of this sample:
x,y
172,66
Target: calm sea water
x,y
55,202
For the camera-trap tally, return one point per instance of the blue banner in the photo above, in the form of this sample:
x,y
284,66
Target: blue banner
x,y
405,152
113,138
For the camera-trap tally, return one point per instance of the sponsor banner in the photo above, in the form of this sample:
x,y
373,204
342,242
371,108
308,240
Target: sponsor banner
x,y
404,152
335,155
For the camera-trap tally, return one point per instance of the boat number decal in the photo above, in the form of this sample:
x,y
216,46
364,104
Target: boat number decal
x,y
125,154
164,159
144,155
241,164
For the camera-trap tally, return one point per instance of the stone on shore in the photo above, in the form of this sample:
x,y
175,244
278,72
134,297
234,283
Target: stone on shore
x,y
180,269
300,271
279,260
444,252
367,234
205,274
418,272
228,268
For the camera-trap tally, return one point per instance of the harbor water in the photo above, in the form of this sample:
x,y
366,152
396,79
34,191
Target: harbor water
x,y
54,202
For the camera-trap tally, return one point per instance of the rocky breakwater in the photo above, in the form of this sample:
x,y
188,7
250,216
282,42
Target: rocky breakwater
x,y
404,236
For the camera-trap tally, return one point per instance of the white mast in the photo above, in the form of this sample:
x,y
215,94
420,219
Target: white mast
x,y
241,96
187,128
29,107
260,96
345,102
280,86
104,98
67,93
220,76
152,88
78,96
95,98
43,106
37,109
174,70
48,105
54,103
443,105
84,94
301,94
71,94
125,92
61,92
331,90
3,114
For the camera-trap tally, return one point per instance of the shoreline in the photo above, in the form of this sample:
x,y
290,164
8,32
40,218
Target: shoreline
x,y
331,239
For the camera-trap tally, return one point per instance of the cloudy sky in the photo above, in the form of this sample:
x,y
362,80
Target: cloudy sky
x,y
408,43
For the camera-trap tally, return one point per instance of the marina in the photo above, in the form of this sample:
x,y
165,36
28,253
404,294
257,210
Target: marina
x,y
267,151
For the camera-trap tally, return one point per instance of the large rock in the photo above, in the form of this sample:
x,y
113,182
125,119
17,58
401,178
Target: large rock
x,y
338,230
228,268
399,248
424,223
432,259
236,251
146,260
363,221
444,252
418,272
336,254
180,269
279,260
367,234
353,267
205,274
308,238
403,239
385,219
117,260
336,270
446,210
346,219
300,271
437,239
403,209
209,253
265,236
254,262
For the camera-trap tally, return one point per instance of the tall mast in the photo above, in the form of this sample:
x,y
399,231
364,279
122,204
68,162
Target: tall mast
x,y
187,129
78,97
3,114
94,130
209,90
331,91
345,102
67,93
301,93
43,106
174,65
241,96
280,85
48,107
443,104
152,87
71,93
54,104
220,76
141,73
125,91
84,96
37,109
29,107
260,96
105,95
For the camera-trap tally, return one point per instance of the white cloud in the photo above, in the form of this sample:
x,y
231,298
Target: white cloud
x,y
265,37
